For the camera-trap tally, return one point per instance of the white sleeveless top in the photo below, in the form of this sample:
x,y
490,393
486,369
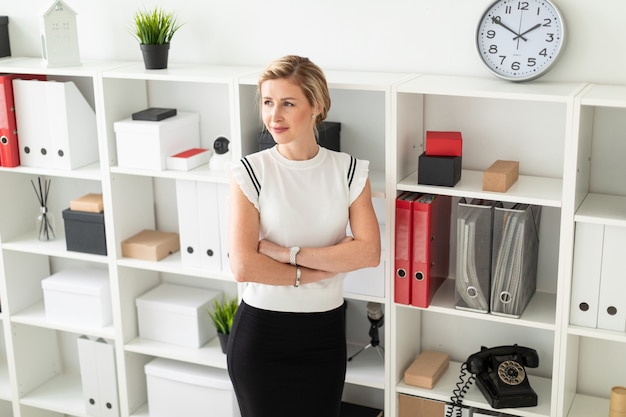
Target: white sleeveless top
x,y
301,203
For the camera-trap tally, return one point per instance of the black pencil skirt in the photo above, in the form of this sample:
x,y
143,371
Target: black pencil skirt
x,y
287,364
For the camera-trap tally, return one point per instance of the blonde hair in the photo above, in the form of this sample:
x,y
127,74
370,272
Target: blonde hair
x,y
307,75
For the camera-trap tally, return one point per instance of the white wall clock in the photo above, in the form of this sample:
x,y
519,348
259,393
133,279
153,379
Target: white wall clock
x,y
520,40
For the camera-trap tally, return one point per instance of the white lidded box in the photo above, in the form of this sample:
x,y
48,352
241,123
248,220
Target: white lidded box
x,y
80,296
177,314
143,144
186,389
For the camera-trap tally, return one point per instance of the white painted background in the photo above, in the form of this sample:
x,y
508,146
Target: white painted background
x,y
431,36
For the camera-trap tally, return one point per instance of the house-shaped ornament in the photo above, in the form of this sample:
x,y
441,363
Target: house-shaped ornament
x,y
59,36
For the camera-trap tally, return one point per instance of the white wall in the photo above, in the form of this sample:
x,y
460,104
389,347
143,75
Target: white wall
x,y
432,36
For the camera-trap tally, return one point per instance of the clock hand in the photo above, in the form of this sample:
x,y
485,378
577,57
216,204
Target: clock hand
x,y
499,22
538,25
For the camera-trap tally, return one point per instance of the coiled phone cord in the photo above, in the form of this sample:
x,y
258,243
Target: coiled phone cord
x,y
462,386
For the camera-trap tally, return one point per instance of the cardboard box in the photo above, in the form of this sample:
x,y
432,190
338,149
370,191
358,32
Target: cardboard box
x,y
328,137
147,144
444,143
439,170
177,314
410,406
426,369
151,245
85,232
89,202
187,389
189,159
80,296
500,176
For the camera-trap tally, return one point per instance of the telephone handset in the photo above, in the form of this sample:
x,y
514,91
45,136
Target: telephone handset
x,y
500,374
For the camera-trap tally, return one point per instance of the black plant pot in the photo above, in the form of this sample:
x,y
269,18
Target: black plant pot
x,y
223,341
155,56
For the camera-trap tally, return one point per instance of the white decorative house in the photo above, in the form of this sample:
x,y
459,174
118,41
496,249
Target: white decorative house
x,y
59,35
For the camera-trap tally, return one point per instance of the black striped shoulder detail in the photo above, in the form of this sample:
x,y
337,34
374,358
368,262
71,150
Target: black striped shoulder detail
x,y
253,178
351,170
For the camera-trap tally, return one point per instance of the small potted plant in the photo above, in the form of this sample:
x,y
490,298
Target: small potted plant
x,y
223,314
154,29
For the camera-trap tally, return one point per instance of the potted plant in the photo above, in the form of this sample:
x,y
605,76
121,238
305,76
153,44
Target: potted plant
x,y
154,29
223,314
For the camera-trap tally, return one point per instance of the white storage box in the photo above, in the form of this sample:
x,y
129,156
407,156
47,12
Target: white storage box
x,y
177,314
78,296
146,145
190,390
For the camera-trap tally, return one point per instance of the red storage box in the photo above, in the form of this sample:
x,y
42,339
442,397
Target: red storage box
x,y
444,143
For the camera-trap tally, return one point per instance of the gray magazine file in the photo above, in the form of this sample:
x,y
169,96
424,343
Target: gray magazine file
x,y
474,250
514,258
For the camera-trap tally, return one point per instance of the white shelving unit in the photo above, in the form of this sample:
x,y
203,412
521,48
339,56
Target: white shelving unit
x,y
565,136
530,123
225,98
592,359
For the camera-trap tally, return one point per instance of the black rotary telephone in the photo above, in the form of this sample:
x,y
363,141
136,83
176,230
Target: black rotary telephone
x,y
500,374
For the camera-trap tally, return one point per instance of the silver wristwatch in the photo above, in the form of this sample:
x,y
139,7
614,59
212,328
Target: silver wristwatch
x,y
293,251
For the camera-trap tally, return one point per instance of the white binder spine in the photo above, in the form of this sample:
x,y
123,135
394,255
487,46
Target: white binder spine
x,y
99,377
107,375
89,375
209,225
612,304
187,205
56,124
588,244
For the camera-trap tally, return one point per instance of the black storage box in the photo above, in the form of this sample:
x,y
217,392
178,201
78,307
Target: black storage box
x,y
5,47
84,232
154,114
439,170
328,137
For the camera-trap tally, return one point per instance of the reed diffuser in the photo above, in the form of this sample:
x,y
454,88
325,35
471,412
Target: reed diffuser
x,y
45,219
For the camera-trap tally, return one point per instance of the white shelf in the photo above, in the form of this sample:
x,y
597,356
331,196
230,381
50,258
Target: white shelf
x,y
444,388
491,88
366,369
88,68
605,96
603,209
91,172
63,394
201,173
35,315
141,412
587,406
532,190
210,354
539,313
349,80
173,264
600,334
29,243
181,72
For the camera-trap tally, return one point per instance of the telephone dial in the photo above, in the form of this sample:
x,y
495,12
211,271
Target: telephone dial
x,y
500,374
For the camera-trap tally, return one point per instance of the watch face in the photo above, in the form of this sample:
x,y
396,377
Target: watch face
x,y
520,40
